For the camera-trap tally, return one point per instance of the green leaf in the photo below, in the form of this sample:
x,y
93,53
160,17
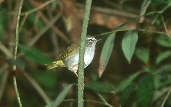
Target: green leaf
x,y
125,83
129,42
98,86
143,54
126,94
106,53
162,79
159,2
159,93
145,90
162,56
60,97
157,81
164,41
35,55
148,68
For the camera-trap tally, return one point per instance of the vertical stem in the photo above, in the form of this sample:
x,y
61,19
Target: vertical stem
x,y
81,55
144,7
15,54
166,97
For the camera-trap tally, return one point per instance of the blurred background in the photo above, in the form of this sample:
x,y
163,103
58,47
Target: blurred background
x,y
132,63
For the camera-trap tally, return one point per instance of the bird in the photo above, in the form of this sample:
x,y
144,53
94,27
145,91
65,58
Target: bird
x,y
70,58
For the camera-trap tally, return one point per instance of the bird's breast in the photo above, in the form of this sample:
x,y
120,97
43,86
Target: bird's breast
x,y
89,55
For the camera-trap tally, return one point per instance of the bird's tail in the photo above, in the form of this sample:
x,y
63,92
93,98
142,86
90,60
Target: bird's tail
x,y
55,64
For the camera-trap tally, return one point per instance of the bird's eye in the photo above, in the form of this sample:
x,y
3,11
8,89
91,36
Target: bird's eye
x,y
91,40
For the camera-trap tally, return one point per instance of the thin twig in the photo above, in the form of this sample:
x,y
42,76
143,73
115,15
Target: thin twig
x,y
36,38
112,12
16,91
104,101
38,8
144,8
165,8
5,50
158,13
3,83
166,97
31,80
165,27
54,28
54,38
23,21
15,53
37,87
126,29
81,55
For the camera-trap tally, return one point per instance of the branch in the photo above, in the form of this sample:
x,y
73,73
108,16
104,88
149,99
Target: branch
x,y
3,83
37,87
104,101
144,8
38,8
5,50
81,55
45,29
54,28
15,53
166,97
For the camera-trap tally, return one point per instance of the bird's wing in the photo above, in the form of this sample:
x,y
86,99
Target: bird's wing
x,y
70,50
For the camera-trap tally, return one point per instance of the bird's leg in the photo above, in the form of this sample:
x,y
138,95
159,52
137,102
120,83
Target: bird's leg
x,y
75,72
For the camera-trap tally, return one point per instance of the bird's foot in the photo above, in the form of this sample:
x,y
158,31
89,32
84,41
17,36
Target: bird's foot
x,y
75,72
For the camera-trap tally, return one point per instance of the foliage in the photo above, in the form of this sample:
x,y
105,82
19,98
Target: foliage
x,y
129,44
106,53
159,2
35,55
132,64
164,41
98,86
143,54
60,97
145,90
124,84
162,56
